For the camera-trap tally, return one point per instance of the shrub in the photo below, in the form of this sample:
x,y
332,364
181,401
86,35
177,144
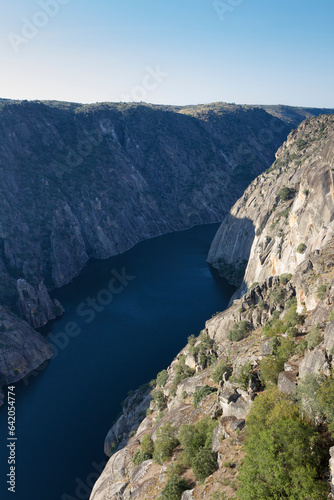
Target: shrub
x,y
284,349
273,328
191,340
165,443
314,337
182,372
162,378
204,464
300,349
285,278
147,445
140,457
283,459
194,437
239,331
159,399
292,318
201,393
219,370
261,305
301,248
270,368
277,295
331,316
206,340
292,332
286,194
244,375
321,292
174,488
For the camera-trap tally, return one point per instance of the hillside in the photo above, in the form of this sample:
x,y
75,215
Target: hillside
x,y
245,409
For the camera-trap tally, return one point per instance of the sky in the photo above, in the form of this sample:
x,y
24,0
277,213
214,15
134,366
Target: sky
x,y
168,51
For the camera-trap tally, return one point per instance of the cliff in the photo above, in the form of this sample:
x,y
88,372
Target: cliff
x,y
274,341
285,214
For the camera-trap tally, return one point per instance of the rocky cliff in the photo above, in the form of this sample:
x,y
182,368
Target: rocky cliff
x,y
280,333
285,214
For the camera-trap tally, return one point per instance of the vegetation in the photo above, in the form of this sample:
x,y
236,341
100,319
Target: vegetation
x,y
196,441
162,378
239,331
165,443
201,393
159,399
314,337
244,375
174,488
286,194
321,292
284,459
301,248
218,372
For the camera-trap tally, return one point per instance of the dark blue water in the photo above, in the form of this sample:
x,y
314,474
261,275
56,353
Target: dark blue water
x,y
119,341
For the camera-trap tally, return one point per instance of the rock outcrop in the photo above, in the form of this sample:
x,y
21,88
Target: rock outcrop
x,y
36,305
22,348
285,214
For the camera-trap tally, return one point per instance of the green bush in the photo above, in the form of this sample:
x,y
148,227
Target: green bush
x,y
174,488
162,378
285,278
218,372
192,340
147,445
165,443
292,318
194,437
273,327
284,349
314,337
239,331
159,399
286,194
140,457
182,371
244,375
331,316
282,459
270,368
201,393
206,340
301,248
204,464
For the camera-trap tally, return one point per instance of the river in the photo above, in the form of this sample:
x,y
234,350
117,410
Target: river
x,y
125,320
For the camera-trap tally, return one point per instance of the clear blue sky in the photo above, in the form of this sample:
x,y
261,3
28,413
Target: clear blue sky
x,y
251,51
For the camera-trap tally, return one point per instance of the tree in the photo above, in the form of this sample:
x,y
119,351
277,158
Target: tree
x,y
282,459
174,488
165,443
204,463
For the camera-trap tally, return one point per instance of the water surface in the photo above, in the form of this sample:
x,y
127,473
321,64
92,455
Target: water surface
x,y
65,411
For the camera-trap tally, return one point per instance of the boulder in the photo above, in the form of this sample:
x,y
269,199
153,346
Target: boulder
x,y
329,337
315,362
287,382
188,495
238,424
267,348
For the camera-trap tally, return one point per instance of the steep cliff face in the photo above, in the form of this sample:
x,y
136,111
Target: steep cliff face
x,y
260,329
286,213
91,181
